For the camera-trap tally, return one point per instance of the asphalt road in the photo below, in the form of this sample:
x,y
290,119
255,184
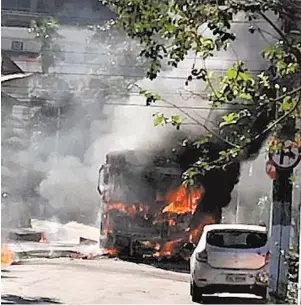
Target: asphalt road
x,y
67,281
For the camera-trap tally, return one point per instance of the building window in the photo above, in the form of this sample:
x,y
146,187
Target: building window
x,y
45,6
17,45
18,5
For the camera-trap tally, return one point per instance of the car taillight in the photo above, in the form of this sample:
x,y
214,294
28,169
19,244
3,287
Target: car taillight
x,y
202,256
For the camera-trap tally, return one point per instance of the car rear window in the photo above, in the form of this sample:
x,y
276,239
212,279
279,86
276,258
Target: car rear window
x,y
236,239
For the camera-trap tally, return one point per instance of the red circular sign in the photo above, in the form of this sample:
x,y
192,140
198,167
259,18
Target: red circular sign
x,y
270,169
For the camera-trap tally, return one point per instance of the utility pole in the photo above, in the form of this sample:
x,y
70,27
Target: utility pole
x,y
57,137
237,206
299,272
280,232
280,226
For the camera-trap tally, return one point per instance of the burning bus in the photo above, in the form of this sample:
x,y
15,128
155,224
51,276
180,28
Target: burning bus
x,y
146,210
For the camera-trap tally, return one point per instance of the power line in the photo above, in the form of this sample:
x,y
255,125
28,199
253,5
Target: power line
x,y
182,94
76,17
125,75
175,92
157,105
87,64
108,53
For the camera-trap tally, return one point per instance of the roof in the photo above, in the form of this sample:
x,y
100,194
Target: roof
x,y
8,66
224,226
141,158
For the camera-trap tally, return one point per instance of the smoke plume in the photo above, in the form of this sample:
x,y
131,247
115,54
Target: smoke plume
x,y
62,168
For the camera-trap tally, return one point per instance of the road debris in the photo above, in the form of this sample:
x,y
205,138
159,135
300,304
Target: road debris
x,y
23,235
87,241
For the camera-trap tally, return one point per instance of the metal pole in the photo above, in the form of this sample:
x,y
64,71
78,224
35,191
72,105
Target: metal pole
x,y
280,232
299,271
57,140
237,206
281,211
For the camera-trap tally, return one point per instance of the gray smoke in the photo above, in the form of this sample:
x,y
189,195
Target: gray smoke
x,y
63,168
69,186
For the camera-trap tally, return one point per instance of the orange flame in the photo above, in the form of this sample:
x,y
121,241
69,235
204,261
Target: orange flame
x,y
43,238
171,222
182,201
160,219
167,249
126,208
107,231
7,256
110,252
151,244
195,234
179,202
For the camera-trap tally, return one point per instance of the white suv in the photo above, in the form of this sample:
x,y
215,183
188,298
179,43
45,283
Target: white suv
x,y
230,258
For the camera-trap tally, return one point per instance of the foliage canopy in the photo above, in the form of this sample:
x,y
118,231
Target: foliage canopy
x,y
46,34
268,101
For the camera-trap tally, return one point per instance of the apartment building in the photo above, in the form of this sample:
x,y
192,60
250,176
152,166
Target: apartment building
x,y
19,13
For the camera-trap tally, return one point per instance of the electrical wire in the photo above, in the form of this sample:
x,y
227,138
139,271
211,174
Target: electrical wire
x,y
112,53
159,106
136,94
93,17
126,75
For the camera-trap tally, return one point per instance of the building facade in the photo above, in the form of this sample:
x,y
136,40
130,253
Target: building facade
x,y
19,13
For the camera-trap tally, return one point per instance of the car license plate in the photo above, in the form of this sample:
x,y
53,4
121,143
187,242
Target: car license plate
x,y
235,278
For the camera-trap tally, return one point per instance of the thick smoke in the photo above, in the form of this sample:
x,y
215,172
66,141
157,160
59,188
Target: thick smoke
x,y
219,184
64,166
56,172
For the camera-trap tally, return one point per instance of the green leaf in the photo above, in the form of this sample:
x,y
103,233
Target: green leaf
x,y
231,73
176,120
159,119
292,179
230,118
244,76
245,96
202,141
286,104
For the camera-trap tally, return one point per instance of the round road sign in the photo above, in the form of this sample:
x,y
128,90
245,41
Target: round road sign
x,y
287,158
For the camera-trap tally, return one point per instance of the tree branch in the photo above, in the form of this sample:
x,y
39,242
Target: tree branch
x,y
283,117
296,90
295,51
272,24
201,124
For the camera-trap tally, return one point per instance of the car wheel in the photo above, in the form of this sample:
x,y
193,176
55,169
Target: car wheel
x,y
196,293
